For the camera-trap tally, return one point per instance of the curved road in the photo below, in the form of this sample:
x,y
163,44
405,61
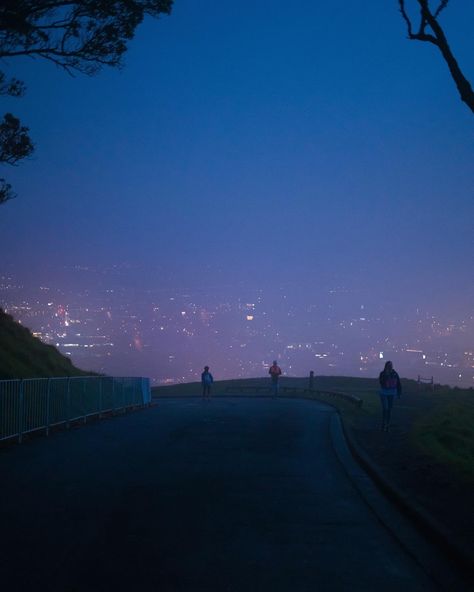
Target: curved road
x,y
230,495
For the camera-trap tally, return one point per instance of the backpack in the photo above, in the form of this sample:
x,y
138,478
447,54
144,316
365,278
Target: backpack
x,y
390,381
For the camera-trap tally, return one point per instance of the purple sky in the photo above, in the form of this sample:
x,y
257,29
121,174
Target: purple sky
x,y
258,145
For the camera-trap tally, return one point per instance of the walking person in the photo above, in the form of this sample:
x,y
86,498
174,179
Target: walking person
x,y
206,381
275,372
390,386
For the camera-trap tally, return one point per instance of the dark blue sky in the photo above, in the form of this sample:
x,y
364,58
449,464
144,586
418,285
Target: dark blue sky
x,y
262,142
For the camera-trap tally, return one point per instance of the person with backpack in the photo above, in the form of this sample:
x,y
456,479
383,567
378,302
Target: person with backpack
x,y
274,372
206,381
390,386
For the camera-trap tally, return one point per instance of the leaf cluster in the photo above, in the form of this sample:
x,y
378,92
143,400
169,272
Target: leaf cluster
x,y
80,35
15,144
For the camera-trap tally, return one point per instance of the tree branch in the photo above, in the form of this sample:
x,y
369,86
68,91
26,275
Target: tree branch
x,y
74,31
442,6
406,18
463,85
438,38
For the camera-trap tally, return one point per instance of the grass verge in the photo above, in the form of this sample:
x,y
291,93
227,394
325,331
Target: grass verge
x,y
446,433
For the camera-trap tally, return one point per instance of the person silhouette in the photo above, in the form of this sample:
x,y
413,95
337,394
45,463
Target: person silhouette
x,y
390,386
206,381
275,372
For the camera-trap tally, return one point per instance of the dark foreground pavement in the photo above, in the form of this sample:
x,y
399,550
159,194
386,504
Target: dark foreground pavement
x,y
231,495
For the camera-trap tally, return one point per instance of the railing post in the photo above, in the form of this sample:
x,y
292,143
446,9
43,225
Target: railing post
x,y
48,396
113,396
84,419
100,397
21,405
68,403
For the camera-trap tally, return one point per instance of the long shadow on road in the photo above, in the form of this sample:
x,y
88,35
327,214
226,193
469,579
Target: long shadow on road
x,y
227,495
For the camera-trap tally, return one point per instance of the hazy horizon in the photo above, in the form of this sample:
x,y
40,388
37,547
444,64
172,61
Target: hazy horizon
x,y
109,325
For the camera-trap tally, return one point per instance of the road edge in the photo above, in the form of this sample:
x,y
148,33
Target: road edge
x,y
425,524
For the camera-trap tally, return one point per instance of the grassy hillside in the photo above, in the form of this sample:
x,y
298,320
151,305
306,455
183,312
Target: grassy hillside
x,y
24,356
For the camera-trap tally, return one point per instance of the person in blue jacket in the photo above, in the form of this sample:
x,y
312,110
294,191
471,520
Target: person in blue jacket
x,y
390,387
206,381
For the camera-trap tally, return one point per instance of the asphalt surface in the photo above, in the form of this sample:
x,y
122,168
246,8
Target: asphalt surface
x,y
227,495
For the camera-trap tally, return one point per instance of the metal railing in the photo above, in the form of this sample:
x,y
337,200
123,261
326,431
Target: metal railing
x,y
354,399
31,404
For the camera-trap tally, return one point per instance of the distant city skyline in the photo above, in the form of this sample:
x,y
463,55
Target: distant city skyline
x,y
169,335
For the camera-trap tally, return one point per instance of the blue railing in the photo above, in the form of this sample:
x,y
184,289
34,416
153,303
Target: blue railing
x,y
28,405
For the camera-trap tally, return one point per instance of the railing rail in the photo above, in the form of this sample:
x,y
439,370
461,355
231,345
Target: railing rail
x,y
31,404
354,399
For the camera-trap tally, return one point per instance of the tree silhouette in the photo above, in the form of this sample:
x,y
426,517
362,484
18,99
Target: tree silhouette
x,y
76,35
15,144
430,31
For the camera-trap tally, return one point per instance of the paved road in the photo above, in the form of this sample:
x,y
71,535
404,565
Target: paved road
x,y
232,495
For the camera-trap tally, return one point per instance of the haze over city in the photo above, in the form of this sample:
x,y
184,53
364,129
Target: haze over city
x,y
252,185
107,323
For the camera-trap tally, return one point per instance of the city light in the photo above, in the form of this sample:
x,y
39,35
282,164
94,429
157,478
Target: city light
x,y
169,335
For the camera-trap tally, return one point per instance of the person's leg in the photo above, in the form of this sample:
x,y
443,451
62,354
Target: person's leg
x,y
383,402
390,399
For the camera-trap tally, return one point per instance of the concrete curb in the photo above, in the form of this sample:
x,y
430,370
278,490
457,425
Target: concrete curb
x,y
459,554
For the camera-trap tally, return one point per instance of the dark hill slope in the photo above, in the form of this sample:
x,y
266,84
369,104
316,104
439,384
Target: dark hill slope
x,y
24,356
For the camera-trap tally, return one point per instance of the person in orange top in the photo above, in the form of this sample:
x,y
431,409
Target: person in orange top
x,y
275,372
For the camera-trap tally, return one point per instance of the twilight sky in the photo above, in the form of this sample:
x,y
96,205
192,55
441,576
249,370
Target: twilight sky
x,y
260,143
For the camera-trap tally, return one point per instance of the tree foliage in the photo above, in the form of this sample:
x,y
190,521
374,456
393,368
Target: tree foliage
x,y
14,141
76,35
429,30
15,144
